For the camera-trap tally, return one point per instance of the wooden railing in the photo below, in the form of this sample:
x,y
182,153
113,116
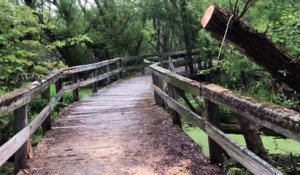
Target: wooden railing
x,y
167,85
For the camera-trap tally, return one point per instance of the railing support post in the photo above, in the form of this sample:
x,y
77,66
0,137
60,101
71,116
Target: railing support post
x,y
212,115
46,125
94,85
172,92
108,71
158,100
58,87
75,91
143,69
20,122
119,66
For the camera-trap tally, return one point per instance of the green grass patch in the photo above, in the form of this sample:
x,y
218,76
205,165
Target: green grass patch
x,y
7,168
274,145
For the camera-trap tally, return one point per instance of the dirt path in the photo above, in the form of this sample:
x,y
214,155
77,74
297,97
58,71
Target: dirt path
x,y
118,131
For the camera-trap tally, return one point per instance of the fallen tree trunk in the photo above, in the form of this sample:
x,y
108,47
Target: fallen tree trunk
x,y
255,45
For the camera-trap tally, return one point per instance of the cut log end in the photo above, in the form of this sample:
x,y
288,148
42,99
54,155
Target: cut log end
x,y
207,15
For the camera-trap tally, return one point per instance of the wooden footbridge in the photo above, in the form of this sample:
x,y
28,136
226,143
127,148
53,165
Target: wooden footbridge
x,y
119,129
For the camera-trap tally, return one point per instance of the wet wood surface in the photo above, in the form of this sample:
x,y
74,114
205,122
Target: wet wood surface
x,y
118,130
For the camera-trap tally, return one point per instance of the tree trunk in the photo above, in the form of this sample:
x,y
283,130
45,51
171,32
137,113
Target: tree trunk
x,y
252,137
255,45
187,38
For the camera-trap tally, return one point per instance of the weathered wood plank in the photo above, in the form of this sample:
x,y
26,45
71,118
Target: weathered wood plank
x,y
21,97
248,159
274,117
9,148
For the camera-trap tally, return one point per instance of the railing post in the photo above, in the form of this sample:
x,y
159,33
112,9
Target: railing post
x,y
46,125
20,122
143,69
75,91
119,66
108,71
58,87
158,100
94,85
172,92
212,116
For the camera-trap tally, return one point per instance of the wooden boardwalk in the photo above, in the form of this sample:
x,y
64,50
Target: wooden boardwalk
x,y
118,130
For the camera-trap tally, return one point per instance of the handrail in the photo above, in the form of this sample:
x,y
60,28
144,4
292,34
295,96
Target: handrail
x,y
23,96
274,117
277,118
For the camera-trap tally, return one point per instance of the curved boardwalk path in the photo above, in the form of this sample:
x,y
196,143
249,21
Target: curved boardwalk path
x,y
117,131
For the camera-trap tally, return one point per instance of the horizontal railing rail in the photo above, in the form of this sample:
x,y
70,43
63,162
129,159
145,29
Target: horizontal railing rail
x,y
167,85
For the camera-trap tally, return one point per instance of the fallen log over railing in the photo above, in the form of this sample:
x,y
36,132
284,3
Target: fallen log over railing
x,y
281,120
257,46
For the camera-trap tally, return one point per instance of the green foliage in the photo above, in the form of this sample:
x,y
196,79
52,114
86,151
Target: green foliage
x,y
20,46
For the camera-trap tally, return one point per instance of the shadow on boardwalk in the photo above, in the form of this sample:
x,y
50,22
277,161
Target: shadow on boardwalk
x,y
119,130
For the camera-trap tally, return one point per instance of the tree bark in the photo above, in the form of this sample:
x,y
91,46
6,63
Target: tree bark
x,y
255,45
252,137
